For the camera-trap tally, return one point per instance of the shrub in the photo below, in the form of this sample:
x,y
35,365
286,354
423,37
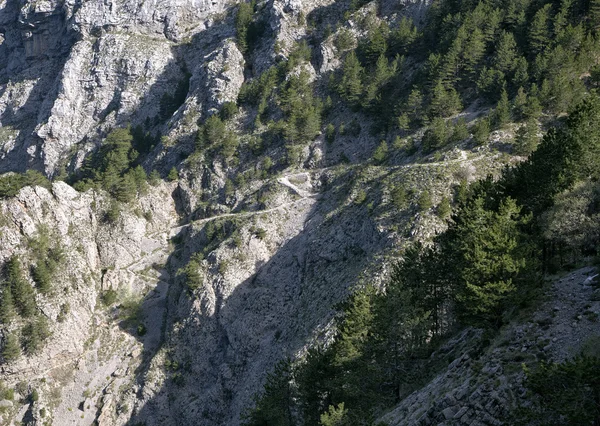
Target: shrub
x,y
192,276
399,196
424,202
444,209
360,198
173,175
381,153
344,40
228,110
109,297
11,183
113,213
330,133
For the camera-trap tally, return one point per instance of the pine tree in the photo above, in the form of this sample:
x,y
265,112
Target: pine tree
x,y
22,292
383,71
594,14
502,113
520,103
402,322
414,103
274,406
335,416
403,37
569,391
452,60
539,30
527,138
424,201
243,20
521,77
173,174
481,131
436,136
533,109
506,53
350,86
474,52
491,254
126,189
7,307
141,179
34,335
492,24
11,350
399,196
444,209
459,131
381,153
376,44
444,102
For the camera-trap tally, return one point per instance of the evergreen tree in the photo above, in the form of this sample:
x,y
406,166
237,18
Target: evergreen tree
x,y
444,209
444,102
315,383
375,45
539,30
126,189
565,393
243,19
22,292
335,416
436,136
274,406
490,83
381,153
7,308
424,201
474,52
459,131
173,174
506,53
594,14
414,103
533,108
11,350
481,131
520,103
527,138
502,113
521,76
350,86
34,335
42,275
490,254
403,318
403,37
399,196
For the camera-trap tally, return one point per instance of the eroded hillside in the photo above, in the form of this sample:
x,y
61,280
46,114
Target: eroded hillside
x,y
224,175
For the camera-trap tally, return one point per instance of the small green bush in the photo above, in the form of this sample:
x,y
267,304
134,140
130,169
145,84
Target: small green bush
x,y
109,297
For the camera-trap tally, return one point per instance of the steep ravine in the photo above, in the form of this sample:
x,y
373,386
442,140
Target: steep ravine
x,y
276,248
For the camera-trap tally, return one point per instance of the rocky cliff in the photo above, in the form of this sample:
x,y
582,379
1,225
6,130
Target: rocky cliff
x,y
131,342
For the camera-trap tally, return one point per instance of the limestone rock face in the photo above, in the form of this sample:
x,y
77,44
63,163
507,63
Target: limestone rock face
x,y
73,70
98,256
